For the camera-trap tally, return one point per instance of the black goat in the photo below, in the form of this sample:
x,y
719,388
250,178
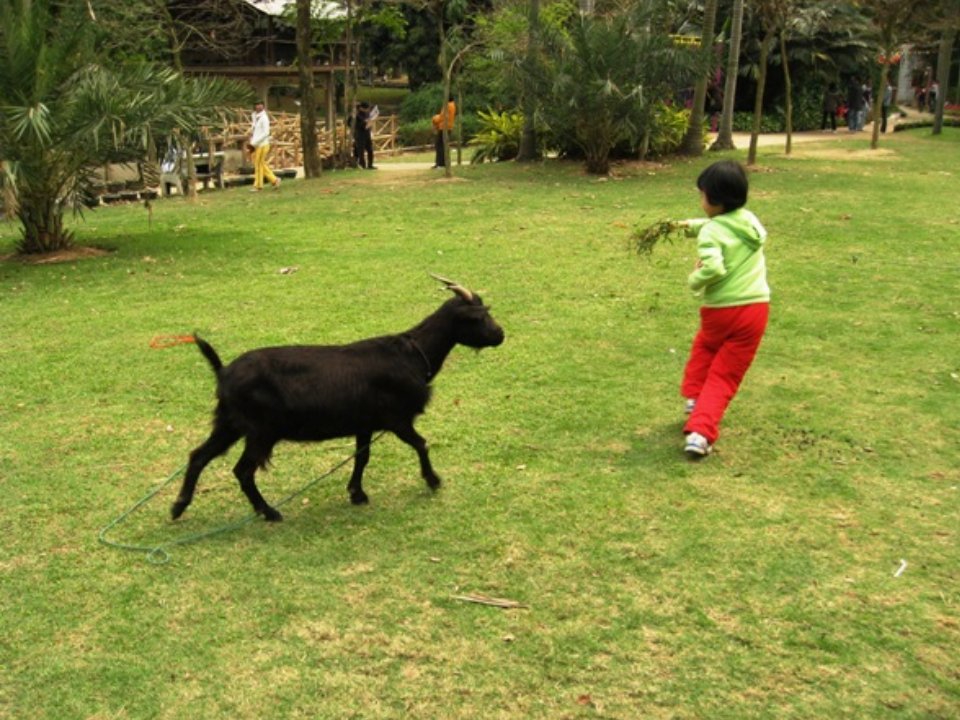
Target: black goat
x,y
316,392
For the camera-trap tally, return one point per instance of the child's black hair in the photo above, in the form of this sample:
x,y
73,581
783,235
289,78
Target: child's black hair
x,y
725,184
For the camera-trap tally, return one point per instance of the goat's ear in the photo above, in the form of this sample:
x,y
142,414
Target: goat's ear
x,y
454,287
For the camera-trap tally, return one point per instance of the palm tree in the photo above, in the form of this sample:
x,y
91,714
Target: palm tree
x,y
64,112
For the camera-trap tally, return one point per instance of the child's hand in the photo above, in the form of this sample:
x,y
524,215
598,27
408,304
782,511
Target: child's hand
x,y
680,224
698,265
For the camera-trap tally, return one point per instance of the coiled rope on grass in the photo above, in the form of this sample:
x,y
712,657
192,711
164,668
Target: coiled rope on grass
x,y
158,554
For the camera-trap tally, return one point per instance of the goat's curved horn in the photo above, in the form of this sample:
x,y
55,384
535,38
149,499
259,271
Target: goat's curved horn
x,y
454,286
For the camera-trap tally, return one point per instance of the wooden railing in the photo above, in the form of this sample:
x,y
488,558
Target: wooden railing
x,y
286,151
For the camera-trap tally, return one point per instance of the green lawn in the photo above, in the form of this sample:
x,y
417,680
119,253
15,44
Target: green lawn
x,y
759,583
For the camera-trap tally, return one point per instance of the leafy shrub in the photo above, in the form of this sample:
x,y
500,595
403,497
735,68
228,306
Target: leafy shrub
x,y
422,104
668,129
743,122
498,137
416,133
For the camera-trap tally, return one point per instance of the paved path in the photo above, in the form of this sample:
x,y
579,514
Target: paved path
x,y
740,139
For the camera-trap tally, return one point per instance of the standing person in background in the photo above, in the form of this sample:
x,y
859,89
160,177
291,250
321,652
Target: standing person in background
x,y
885,107
443,120
831,101
260,142
363,136
854,104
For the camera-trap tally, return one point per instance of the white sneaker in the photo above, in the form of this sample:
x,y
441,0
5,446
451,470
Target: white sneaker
x,y
688,405
697,446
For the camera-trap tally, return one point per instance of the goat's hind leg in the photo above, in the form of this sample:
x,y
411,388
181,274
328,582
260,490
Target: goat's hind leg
x,y
361,458
220,440
412,438
255,455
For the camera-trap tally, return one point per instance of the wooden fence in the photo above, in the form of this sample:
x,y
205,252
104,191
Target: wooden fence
x,y
286,150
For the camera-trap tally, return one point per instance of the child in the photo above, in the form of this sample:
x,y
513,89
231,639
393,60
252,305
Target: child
x,y
732,277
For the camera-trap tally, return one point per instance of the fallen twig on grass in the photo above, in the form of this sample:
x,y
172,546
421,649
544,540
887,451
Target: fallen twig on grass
x,y
493,602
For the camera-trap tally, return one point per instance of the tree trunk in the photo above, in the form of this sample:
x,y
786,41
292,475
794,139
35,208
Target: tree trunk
x,y
528,138
943,76
10,202
348,90
693,140
879,83
724,139
42,218
308,103
758,103
788,89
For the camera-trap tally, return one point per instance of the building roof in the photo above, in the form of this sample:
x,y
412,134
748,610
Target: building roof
x,y
276,8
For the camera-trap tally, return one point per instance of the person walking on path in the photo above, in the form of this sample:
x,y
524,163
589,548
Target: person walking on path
x,y
260,146
443,120
731,275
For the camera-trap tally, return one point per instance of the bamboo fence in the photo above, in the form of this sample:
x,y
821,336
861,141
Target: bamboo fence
x,y
286,149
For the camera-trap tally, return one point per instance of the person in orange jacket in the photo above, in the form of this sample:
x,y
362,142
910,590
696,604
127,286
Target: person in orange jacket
x,y
443,120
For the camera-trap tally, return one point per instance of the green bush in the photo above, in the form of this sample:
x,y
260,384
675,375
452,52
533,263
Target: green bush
x,y
422,104
418,132
668,130
498,137
743,122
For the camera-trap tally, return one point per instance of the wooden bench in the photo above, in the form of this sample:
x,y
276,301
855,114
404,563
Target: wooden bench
x,y
207,174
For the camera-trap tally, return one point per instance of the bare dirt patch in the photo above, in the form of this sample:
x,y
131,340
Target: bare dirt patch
x,y
841,154
57,256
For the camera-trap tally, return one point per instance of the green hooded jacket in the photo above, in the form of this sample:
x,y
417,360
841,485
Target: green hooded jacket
x,y
732,270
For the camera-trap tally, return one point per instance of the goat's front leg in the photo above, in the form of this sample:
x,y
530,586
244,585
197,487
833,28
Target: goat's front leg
x,y
362,457
255,455
412,438
218,443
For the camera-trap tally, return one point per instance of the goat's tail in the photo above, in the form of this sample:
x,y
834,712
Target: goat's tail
x,y
209,353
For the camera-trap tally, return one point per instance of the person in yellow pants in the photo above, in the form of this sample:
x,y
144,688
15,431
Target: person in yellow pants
x,y
260,144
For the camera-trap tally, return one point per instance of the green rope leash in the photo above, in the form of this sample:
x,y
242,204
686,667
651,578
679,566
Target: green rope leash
x,y
158,555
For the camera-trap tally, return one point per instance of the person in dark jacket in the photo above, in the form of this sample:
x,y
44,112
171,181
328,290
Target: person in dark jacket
x,y
855,105
363,137
831,101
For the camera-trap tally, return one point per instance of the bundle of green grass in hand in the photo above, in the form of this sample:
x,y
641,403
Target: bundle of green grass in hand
x,y
646,238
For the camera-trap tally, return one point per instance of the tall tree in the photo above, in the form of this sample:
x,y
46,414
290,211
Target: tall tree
x,y
308,103
64,111
943,19
767,10
529,149
693,141
724,139
891,20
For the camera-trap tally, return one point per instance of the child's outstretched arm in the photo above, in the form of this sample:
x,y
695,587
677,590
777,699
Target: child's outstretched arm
x,y
691,227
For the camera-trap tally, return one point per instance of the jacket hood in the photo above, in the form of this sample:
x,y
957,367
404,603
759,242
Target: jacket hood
x,y
745,225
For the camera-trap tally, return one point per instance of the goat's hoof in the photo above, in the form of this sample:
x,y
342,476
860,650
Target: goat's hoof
x,y
434,483
176,510
359,498
271,515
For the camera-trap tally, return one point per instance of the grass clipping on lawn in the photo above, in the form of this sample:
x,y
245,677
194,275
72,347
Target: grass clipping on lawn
x,y
644,239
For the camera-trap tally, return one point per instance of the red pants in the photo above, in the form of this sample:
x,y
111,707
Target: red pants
x,y
721,354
